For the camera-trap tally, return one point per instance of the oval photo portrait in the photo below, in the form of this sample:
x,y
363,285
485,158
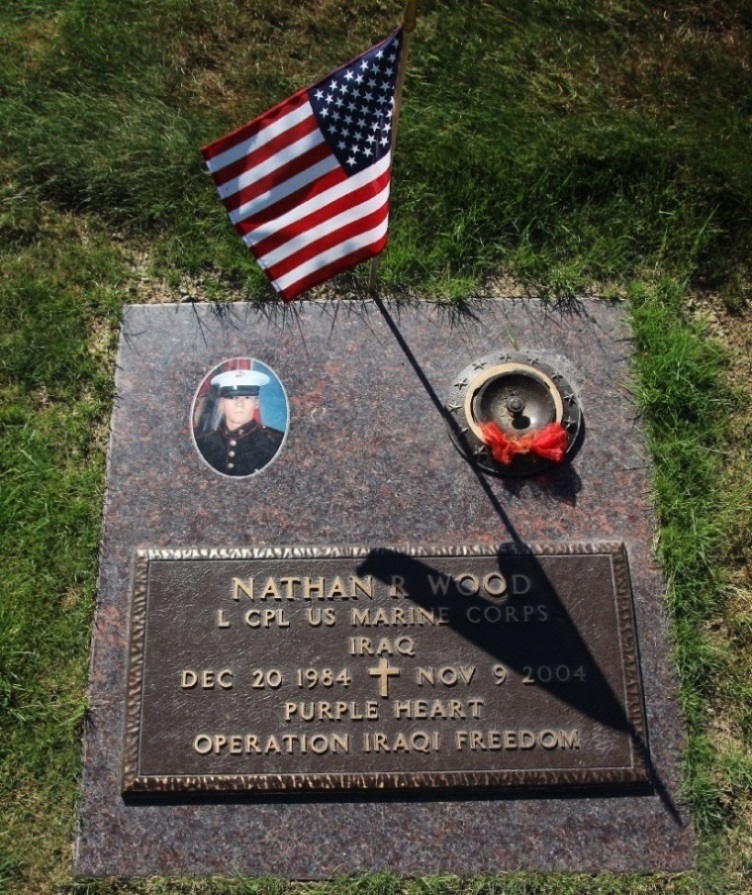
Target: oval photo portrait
x,y
239,417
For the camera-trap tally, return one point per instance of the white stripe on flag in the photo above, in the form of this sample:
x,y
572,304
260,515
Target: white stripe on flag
x,y
324,228
259,139
316,202
270,165
281,190
341,250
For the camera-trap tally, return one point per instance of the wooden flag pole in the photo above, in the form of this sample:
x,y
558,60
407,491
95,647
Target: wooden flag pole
x,y
408,26
409,20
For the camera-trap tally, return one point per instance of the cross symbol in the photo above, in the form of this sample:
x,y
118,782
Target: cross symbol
x,y
384,671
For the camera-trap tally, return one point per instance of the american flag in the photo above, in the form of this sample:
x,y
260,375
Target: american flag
x,y
306,184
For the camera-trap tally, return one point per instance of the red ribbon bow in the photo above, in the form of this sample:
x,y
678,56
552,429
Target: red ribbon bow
x,y
549,443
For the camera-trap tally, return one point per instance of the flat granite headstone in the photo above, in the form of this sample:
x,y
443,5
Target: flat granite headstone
x,y
330,644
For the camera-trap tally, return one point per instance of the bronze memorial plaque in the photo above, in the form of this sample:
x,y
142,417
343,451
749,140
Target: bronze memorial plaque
x,y
315,669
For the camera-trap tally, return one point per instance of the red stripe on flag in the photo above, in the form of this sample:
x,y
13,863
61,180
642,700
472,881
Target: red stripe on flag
x,y
247,225
310,221
257,156
276,178
253,127
316,246
330,270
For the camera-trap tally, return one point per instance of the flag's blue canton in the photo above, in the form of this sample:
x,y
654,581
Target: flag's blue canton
x,y
354,106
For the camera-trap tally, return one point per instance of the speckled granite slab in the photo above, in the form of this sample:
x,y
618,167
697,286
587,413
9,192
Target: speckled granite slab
x,y
367,460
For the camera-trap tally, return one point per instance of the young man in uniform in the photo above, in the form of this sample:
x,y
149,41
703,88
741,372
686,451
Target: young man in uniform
x,y
240,445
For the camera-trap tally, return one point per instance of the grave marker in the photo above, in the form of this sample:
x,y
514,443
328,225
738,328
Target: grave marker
x,y
366,638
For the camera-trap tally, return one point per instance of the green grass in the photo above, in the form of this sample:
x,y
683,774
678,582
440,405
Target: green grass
x,y
385,884
689,410
570,146
55,377
565,142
